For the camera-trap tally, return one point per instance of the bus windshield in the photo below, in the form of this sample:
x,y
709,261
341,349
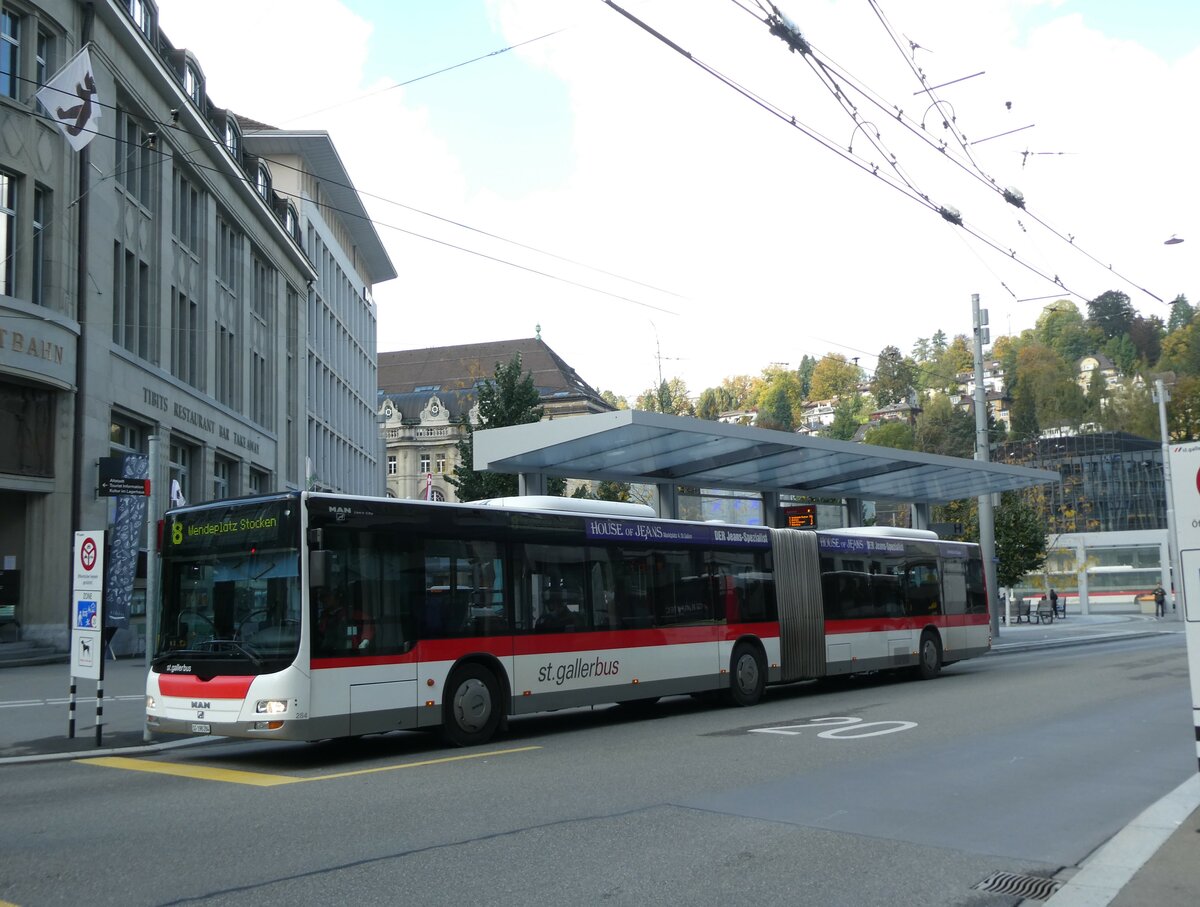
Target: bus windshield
x,y
226,596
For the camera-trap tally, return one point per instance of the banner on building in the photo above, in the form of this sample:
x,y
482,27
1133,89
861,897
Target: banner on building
x,y
70,100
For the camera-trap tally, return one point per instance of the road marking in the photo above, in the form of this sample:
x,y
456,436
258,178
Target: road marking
x,y
839,728
262,779
26,703
203,773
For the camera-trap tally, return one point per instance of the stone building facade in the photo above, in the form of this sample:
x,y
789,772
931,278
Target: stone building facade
x,y
181,277
427,400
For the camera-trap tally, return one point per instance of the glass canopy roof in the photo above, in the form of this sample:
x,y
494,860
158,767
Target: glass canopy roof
x,y
636,446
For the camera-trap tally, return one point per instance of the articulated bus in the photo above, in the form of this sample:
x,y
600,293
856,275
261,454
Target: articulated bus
x,y
308,616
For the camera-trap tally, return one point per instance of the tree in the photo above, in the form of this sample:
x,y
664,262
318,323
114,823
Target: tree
x,y
613,400
894,378
1044,391
506,399
1146,335
1112,313
834,377
804,373
1130,408
1062,328
847,417
1183,410
670,397
775,408
897,435
1020,533
1181,314
942,429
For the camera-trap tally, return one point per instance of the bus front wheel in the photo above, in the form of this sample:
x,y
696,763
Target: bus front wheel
x,y
472,709
748,674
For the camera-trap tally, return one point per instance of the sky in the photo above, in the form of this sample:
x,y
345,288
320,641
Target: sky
x,y
652,221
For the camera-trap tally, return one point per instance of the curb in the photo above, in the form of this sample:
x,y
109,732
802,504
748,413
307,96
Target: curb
x,y
1110,868
144,749
1005,648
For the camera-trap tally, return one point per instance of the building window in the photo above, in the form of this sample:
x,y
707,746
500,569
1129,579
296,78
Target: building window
x,y
185,339
227,367
8,232
142,13
186,212
260,389
262,300
10,52
233,139
224,478
182,461
424,464
229,258
441,463
393,467
262,182
137,160
43,63
192,83
126,437
134,318
291,222
258,481
40,196
27,425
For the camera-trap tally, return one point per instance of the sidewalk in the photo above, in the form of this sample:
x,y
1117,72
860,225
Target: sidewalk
x,y
1151,861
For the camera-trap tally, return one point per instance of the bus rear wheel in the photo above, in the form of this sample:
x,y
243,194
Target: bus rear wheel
x,y
472,710
929,656
747,674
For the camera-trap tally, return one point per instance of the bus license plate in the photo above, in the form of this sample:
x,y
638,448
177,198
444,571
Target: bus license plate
x,y
201,729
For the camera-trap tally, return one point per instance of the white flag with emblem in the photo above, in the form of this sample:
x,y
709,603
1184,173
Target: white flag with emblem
x,y
70,99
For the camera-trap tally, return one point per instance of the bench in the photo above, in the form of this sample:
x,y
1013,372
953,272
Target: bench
x,y
1045,612
8,615
1022,613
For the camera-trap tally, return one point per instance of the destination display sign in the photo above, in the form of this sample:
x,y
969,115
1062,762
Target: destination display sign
x,y
618,530
232,527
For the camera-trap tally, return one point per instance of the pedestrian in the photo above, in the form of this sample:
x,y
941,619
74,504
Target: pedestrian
x,y
1054,603
1160,601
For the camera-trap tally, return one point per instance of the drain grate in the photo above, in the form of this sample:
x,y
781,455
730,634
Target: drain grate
x,y
1034,887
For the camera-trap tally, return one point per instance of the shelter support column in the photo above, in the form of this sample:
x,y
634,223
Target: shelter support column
x,y
770,506
667,500
853,510
531,483
1081,566
920,515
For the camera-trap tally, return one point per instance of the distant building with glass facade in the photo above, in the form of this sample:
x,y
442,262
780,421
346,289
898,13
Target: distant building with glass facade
x,y
1106,523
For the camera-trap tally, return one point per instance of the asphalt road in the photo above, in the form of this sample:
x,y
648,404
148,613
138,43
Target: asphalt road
x,y
868,792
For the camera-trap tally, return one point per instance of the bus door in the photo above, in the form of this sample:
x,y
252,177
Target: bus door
x,y
954,603
364,672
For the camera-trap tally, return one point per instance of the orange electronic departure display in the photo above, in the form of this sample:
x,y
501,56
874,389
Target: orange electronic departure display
x,y
801,516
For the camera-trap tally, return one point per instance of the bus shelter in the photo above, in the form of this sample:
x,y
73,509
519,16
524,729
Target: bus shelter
x,y
670,451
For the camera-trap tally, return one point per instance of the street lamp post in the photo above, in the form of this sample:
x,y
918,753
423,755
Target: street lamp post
x,y
987,523
1161,397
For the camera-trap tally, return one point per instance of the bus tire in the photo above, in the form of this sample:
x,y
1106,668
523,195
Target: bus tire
x,y
747,674
929,656
472,709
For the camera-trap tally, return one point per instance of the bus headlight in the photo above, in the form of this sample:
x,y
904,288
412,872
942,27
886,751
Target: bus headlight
x,y
271,706
151,705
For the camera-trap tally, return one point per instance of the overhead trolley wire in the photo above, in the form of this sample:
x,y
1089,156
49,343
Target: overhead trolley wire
x,y
872,169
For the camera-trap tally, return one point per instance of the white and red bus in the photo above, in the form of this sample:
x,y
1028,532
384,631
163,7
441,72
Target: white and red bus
x,y
309,616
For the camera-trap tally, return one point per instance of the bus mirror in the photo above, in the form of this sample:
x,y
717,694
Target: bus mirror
x,y
318,567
